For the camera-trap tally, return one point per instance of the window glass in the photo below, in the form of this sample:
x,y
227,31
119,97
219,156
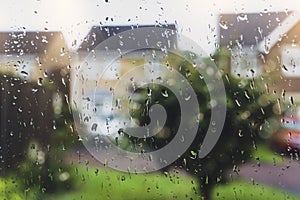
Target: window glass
x,y
149,100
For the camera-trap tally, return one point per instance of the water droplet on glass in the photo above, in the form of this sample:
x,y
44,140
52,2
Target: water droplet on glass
x,y
242,17
63,81
241,133
165,93
123,178
267,49
187,98
40,81
24,73
223,25
62,51
94,127
237,103
149,92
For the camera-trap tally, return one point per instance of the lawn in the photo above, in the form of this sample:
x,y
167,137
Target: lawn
x,y
104,183
264,154
109,184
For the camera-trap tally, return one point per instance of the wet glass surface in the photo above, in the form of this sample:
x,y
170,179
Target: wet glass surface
x,y
149,100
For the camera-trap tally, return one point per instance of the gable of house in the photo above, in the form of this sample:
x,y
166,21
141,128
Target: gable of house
x,y
45,51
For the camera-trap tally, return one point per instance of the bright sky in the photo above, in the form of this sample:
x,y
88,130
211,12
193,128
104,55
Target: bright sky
x,y
196,19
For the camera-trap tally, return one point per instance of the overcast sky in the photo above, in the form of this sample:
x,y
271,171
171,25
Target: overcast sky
x,y
196,19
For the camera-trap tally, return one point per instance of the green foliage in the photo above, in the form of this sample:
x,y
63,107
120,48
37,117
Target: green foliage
x,y
44,167
9,189
44,141
249,107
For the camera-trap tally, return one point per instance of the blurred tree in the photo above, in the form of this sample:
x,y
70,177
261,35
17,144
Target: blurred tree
x,y
249,106
35,134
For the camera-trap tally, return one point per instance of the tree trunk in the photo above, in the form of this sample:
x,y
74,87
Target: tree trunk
x,y
205,189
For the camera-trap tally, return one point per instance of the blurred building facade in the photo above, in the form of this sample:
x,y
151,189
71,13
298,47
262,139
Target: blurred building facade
x,y
264,44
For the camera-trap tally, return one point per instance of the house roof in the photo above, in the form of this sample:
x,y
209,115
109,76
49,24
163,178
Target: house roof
x,y
29,42
276,35
98,34
249,29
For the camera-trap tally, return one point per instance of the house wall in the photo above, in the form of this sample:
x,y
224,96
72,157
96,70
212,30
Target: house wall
x,y
273,64
85,77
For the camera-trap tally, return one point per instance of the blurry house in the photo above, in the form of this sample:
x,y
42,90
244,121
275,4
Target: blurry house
x,y
34,56
243,35
267,43
86,74
283,58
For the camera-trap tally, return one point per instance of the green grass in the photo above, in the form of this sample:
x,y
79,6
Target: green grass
x,y
266,155
109,184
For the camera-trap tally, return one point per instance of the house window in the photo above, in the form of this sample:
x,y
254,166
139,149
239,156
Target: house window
x,y
244,63
291,61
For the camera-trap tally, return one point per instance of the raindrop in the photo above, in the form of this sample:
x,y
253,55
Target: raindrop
x,y
223,25
284,67
45,74
123,178
62,51
292,100
181,138
40,81
237,103
24,73
74,43
44,39
165,93
187,98
240,133
267,49
193,154
63,81
247,95
243,17
159,44
94,127
283,94
118,103
294,43
188,73
149,92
